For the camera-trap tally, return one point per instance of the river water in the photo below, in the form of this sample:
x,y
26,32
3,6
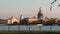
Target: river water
x,y
30,27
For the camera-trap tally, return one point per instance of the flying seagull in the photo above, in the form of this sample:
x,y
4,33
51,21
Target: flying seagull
x,y
53,1
59,5
51,4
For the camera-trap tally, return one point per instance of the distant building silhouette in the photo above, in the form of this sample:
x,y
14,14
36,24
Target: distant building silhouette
x,y
21,17
39,15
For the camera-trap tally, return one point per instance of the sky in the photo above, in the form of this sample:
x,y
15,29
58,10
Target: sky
x,y
28,8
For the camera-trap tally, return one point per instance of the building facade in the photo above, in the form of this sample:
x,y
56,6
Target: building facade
x,y
12,20
3,21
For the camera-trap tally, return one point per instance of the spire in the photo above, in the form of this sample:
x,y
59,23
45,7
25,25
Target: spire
x,y
21,17
39,15
39,9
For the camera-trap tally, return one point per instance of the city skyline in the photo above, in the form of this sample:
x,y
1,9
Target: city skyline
x,y
28,8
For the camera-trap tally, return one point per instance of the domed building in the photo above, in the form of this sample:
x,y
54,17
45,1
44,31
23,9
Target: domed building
x,y
40,14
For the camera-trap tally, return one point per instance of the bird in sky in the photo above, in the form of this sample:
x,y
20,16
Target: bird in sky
x,y
51,4
53,1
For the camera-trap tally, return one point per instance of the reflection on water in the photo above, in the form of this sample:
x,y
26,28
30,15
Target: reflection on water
x,y
29,27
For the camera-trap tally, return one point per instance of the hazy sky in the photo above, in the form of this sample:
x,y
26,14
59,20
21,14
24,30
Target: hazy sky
x,y
28,8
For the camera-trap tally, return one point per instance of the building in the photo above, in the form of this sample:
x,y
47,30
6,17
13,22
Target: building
x,y
3,21
27,21
12,20
40,15
30,20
